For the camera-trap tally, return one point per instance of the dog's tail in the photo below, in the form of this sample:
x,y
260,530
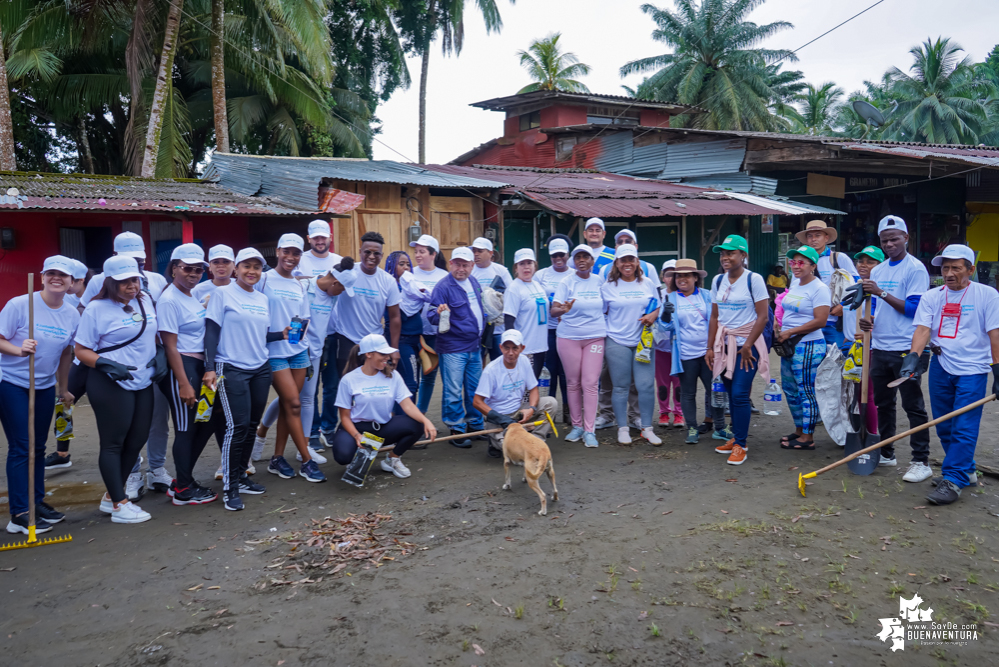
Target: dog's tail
x,y
536,465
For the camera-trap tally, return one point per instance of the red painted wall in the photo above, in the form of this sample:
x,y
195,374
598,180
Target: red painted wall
x,y
562,116
653,118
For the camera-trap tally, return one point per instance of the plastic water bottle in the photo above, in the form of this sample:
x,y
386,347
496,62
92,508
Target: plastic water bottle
x,y
295,335
719,397
544,382
445,323
772,399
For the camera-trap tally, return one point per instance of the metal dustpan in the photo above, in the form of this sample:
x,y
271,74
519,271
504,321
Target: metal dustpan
x,y
866,463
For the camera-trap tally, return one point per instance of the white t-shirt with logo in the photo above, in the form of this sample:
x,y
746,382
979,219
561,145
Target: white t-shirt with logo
x,y
473,301
286,298
736,307
55,329
800,304
892,329
503,388
648,270
156,284
428,280
626,302
550,278
487,275
970,352
825,269
586,318
691,318
183,315
244,318
315,267
72,300
362,314
371,398
528,304
105,323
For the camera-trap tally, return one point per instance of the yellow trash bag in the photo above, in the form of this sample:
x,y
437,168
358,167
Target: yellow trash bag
x,y
853,367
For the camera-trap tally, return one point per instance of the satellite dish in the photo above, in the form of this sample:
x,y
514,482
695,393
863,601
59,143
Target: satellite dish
x,y
869,112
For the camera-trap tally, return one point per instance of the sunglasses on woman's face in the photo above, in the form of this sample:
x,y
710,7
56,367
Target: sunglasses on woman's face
x,y
197,269
797,262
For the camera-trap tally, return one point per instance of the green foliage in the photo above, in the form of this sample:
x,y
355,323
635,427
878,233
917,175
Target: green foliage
x,y
551,68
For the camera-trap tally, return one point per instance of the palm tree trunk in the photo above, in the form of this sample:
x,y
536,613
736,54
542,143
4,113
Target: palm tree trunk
x,y
425,66
7,160
138,58
218,77
164,79
83,146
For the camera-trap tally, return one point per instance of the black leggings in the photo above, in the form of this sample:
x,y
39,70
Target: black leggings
x,y
343,347
538,363
190,437
554,364
77,386
402,431
123,419
694,370
242,397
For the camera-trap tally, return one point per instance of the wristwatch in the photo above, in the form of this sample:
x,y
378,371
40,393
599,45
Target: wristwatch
x,y
533,408
884,294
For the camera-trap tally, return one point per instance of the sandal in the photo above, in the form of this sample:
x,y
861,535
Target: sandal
x,y
799,445
783,438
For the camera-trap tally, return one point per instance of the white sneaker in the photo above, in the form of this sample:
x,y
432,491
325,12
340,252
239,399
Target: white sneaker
x,y
890,463
316,456
218,473
602,422
250,470
395,466
258,448
134,487
129,513
158,480
106,505
623,436
651,436
918,472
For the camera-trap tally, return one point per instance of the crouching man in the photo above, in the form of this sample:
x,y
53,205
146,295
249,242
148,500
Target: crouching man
x,y
960,321
500,394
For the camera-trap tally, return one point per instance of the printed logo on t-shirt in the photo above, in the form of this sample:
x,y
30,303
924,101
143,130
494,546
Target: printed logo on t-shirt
x,y
377,390
50,331
254,309
287,295
793,302
586,294
366,292
513,386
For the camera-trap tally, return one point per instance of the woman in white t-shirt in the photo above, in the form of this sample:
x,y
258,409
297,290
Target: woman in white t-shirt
x,y
579,306
221,264
367,396
525,308
117,340
668,386
632,304
806,309
550,277
430,269
55,326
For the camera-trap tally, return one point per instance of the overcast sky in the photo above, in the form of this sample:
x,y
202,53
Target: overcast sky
x,y
606,34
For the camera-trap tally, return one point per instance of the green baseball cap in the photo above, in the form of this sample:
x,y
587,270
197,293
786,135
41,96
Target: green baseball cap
x,y
873,252
806,251
733,242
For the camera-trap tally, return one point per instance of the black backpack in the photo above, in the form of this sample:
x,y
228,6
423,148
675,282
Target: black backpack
x,y
768,330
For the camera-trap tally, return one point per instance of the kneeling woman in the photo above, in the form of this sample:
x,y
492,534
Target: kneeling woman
x,y
367,395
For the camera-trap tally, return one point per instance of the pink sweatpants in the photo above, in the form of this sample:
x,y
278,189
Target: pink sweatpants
x,y
582,361
671,383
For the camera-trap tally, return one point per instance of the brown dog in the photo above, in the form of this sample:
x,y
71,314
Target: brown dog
x,y
521,446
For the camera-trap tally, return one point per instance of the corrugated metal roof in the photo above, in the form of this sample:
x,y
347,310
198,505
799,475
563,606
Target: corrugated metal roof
x,y
616,152
702,158
85,192
736,182
499,103
979,156
785,206
296,180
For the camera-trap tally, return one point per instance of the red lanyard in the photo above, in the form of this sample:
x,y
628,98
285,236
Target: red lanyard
x,y
950,318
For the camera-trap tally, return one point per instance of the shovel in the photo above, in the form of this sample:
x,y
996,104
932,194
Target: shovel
x,y
894,438
863,464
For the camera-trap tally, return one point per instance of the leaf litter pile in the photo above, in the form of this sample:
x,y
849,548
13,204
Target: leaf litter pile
x,y
333,546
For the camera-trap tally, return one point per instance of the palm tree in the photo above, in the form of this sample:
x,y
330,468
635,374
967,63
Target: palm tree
x,y
818,109
7,159
164,85
550,68
716,63
217,46
942,100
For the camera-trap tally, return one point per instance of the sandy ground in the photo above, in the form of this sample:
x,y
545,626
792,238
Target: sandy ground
x,y
651,556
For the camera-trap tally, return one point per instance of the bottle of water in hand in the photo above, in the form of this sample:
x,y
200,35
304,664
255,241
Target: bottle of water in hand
x,y
719,396
772,399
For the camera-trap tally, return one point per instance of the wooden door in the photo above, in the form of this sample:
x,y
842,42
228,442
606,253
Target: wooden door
x,y
387,223
451,222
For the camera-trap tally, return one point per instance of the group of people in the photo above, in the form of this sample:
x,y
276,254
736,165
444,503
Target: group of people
x,y
353,350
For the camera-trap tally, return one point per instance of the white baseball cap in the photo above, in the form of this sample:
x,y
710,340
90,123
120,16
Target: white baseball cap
x,y
954,251
625,232
668,264
291,241
221,252
463,252
319,228
482,243
524,254
121,267
557,246
79,270
582,247
130,244
346,278
249,253
625,250
892,222
189,253
512,336
595,221
59,263
426,241
376,343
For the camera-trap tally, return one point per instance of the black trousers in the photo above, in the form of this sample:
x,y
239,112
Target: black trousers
x,y
694,370
123,418
343,347
402,431
554,364
77,386
242,396
885,367
190,437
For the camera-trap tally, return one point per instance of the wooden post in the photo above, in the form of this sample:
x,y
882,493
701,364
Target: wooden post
x,y
31,411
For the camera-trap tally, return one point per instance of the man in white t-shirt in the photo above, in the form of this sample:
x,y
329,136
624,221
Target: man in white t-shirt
x,y
319,259
500,395
899,284
128,244
960,322
818,235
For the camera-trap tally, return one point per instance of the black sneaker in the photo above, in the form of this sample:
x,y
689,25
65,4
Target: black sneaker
x,y
463,443
495,452
973,482
706,427
247,485
53,461
233,501
19,524
193,495
946,493
49,513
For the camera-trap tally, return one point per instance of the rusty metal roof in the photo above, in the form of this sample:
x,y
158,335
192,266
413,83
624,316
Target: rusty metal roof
x,y
87,192
500,103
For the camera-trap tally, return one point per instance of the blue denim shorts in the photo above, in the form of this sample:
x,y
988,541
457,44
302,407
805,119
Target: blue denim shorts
x,y
300,360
